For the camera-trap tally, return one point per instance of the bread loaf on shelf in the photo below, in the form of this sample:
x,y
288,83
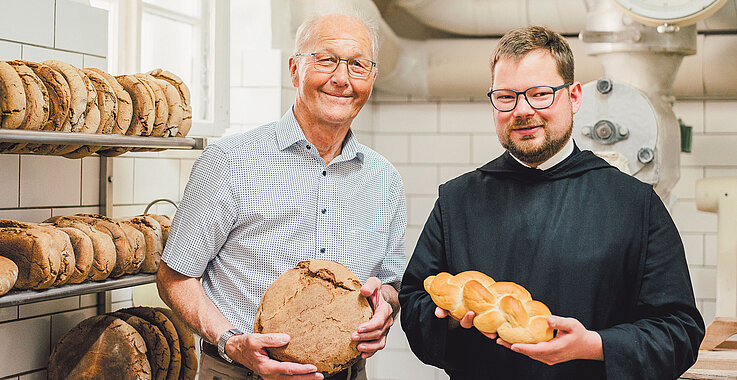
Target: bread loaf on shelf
x,y
157,348
187,347
165,222
104,252
8,274
84,254
57,96
133,343
123,257
100,347
504,308
34,252
12,98
37,97
153,243
137,244
170,333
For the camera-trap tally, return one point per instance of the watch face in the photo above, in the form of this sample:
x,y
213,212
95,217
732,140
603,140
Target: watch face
x,y
675,12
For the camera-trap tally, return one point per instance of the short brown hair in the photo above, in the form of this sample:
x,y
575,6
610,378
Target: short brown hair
x,y
518,42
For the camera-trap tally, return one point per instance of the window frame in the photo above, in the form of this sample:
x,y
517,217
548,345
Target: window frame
x,y
126,36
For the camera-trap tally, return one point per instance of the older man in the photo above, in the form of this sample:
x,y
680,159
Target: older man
x,y
595,245
301,188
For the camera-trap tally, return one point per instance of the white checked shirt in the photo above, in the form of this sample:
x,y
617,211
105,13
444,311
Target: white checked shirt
x,y
258,203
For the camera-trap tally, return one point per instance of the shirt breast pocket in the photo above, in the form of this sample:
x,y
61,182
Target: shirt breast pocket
x,y
367,249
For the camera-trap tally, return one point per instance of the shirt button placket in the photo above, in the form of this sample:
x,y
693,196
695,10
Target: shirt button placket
x,y
322,223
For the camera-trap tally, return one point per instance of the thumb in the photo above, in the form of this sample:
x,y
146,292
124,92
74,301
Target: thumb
x,y
561,323
368,289
274,340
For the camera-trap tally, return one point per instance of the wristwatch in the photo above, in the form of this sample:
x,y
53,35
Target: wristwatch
x,y
224,339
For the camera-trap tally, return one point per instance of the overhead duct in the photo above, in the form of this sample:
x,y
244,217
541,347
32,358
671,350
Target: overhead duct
x,y
496,17
457,68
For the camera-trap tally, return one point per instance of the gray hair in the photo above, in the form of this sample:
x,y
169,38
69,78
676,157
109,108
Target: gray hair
x,y
307,29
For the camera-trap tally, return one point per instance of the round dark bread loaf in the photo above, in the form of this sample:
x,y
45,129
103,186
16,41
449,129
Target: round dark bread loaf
x,y
157,349
100,347
103,247
170,332
59,244
124,257
319,305
124,105
84,254
137,243
165,222
187,346
153,245
8,274
12,98
66,251
35,253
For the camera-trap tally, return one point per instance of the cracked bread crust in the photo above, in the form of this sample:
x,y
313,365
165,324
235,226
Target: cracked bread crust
x,y
319,305
100,347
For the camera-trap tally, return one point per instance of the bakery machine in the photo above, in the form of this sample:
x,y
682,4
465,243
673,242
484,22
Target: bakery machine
x,y
626,116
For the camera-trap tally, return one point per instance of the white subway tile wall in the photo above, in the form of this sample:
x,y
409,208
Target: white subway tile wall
x,y
48,307
155,178
40,54
32,353
91,61
123,169
50,181
395,147
89,36
9,186
9,51
16,26
401,118
90,181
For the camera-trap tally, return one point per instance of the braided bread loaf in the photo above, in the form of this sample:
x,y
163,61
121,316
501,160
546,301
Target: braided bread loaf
x,y
504,308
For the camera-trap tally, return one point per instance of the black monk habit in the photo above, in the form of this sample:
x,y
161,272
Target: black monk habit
x,y
585,239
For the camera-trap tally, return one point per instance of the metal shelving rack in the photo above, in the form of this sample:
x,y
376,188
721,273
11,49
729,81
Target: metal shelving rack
x,y
102,288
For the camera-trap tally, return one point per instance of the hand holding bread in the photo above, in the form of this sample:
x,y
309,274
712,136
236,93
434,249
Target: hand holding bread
x,y
504,308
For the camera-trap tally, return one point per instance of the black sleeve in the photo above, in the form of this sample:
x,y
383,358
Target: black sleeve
x,y
662,341
428,335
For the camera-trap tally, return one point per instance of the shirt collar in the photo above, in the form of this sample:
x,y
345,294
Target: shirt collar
x,y
556,159
288,133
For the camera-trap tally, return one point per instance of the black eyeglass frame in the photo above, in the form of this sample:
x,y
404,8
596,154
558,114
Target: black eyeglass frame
x,y
524,93
351,73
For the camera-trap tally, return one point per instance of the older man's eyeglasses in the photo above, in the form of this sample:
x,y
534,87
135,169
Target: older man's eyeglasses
x,y
328,62
538,97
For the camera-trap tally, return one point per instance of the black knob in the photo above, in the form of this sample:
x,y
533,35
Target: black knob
x,y
604,86
645,155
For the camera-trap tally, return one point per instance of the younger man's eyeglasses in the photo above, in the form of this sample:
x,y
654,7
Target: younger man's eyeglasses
x,y
538,97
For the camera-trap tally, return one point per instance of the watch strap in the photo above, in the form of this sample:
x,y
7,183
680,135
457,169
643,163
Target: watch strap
x,y
223,340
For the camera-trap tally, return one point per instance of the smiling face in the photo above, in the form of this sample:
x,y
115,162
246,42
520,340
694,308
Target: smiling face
x,y
332,99
533,136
